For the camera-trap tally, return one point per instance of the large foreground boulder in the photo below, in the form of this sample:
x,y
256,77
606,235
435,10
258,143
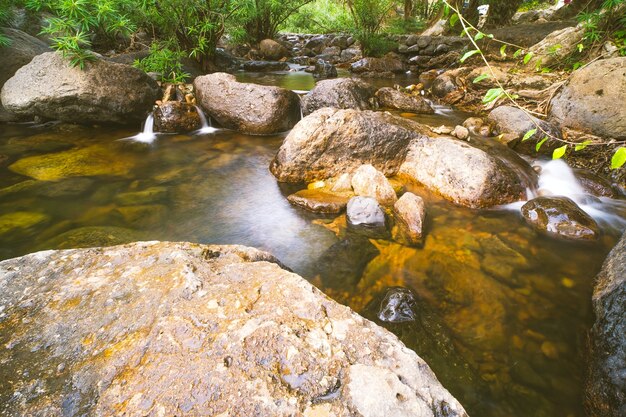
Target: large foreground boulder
x,y
605,394
163,329
102,92
593,99
341,93
20,51
248,108
330,142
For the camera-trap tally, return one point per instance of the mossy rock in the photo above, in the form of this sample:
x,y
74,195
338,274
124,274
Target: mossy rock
x,y
148,196
92,236
143,216
21,222
85,162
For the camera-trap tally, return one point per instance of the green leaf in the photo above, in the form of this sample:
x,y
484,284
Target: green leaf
x,y
481,77
529,134
527,57
469,54
492,95
619,158
479,36
559,152
503,51
517,53
454,19
580,47
541,142
582,145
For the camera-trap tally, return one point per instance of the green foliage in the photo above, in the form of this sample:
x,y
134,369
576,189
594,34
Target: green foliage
x,y
368,17
6,13
619,158
79,24
529,134
320,16
559,152
375,45
607,22
166,60
261,19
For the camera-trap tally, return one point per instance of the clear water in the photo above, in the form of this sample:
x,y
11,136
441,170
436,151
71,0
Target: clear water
x,y
503,311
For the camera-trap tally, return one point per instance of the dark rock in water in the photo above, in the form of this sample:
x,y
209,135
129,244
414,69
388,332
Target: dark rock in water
x,y
427,78
366,218
265,66
560,217
20,51
69,187
330,142
515,123
176,117
394,99
409,214
272,50
319,201
169,329
593,99
398,306
245,107
324,69
342,93
595,184
605,387
342,265
92,236
102,92
443,85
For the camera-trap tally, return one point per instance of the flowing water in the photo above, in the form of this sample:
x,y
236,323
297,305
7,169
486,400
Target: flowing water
x,y
502,311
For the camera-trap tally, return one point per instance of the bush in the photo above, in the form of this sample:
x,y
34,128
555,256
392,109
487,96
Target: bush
x,y
321,16
6,13
165,59
261,19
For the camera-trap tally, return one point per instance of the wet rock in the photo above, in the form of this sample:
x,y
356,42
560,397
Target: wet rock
x,y
389,64
20,51
84,162
365,217
203,320
595,184
394,99
147,196
248,108
409,214
176,117
605,385
21,223
474,124
102,92
324,69
320,201
462,173
516,123
588,102
460,132
342,93
144,216
331,142
350,54
367,181
342,265
265,66
560,217
272,50
443,85
398,306
92,236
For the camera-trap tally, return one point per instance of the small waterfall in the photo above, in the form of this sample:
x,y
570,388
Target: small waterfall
x,y
147,135
206,124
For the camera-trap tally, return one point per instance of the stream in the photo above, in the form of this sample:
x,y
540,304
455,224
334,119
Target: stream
x,y
502,311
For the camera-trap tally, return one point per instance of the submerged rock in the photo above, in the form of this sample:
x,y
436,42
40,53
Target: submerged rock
x,y
341,93
398,306
102,92
176,117
248,108
561,217
592,100
92,236
21,223
394,99
186,329
342,265
330,142
365,217
84,162
147,196
605,387
409,214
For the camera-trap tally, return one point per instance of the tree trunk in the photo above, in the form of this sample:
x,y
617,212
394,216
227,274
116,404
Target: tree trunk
x,y
501,11
408,9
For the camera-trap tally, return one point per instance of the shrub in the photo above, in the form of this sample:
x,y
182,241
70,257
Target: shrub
x,y
165,59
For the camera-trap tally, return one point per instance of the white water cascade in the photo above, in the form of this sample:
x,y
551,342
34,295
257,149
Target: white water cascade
x,y
147,135
558,179
206,125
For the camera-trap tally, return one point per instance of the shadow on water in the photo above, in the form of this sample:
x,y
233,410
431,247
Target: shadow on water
x,y
502,311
